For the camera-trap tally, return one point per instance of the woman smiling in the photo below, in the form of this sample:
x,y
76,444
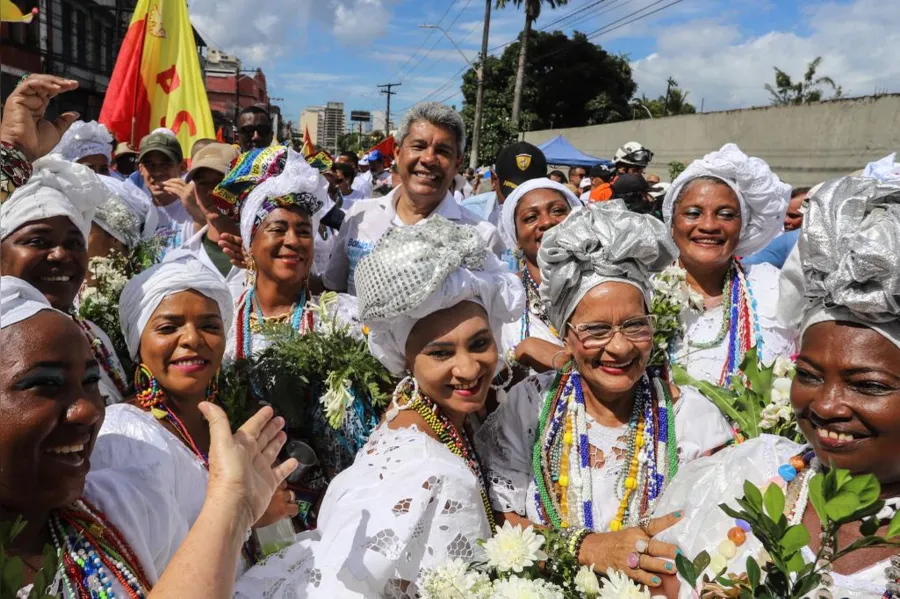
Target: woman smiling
x,y
721,207
589,449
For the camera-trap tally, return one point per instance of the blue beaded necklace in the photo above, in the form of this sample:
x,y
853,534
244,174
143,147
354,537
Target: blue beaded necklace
x,y
245,342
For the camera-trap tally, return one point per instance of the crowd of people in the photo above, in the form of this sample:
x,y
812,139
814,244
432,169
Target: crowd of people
x,y
514,308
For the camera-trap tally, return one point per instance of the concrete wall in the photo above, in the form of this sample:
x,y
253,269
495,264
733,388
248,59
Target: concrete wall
x,y
803,144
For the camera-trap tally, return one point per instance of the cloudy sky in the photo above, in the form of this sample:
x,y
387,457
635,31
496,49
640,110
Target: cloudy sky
x,y
720,51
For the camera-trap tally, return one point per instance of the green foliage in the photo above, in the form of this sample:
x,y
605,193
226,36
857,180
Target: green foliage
x,y
787,92
12,568
234,395
354,142
838,498
673,104
675,169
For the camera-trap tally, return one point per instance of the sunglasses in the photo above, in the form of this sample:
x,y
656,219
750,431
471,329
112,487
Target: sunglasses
x,y
261,130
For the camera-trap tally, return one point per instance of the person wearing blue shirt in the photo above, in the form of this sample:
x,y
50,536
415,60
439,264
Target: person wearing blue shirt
x,y
776,252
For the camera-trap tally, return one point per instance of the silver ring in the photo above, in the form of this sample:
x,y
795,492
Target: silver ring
x,y
644,524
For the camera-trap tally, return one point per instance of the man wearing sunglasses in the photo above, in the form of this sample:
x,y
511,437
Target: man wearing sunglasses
x,y
254,128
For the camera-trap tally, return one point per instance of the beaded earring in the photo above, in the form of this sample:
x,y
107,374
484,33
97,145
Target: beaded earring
x,y
408,380
251,269
147,390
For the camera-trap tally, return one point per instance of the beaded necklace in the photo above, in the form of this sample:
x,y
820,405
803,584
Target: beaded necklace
x,y
561,457
453,439
152,397
740,323
92,553
301,319
103,356
533,305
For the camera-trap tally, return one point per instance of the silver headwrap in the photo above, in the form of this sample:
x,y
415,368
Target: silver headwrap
x,y
85,139
127,214
601,243
417,270
846,265
762,196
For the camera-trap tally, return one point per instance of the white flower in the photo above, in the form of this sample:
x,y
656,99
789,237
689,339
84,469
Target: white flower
x,y
336,400
453,580
619,586
514,548
522,588
783,367
781,391
586,582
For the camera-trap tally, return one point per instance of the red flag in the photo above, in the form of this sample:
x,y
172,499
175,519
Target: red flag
x,y
386,147
220,135
308,148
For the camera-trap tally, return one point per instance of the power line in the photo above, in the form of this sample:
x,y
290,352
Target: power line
x,y
448,28
578,11
386,89
425,41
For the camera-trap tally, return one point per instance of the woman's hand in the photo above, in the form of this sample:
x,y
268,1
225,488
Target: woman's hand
x,y
233,247
241,471
655,559
540,355
23,123
283,505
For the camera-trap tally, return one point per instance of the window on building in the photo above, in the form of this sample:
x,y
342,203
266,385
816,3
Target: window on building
x,y
79,34
66,48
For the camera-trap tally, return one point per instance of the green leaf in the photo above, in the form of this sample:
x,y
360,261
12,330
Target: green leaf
x,y
795,563
753,495
868,527
753,572
842,506
842,477
686,570
724,399
794,538
866,486
894,528
12,575
701,561
816,496
774,501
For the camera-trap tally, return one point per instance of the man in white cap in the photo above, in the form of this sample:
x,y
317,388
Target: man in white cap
x,y
633,157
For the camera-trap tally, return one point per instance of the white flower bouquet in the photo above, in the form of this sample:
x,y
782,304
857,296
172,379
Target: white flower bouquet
x,y
672,298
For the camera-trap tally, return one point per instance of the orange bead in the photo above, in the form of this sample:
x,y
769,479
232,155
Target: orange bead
x,y
737,536
797,462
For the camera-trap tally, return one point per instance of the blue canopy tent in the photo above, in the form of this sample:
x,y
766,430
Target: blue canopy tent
x,y
560,152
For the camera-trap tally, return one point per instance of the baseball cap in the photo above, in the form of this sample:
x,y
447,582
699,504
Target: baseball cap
x,y
602,171
364,161
161,142
518,163
216,156
374,155
660,190
125,148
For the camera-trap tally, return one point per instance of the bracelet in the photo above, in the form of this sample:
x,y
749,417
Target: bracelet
x,y
577,540
15,169
510,357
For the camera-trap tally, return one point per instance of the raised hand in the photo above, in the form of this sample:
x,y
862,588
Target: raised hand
x,y
23,123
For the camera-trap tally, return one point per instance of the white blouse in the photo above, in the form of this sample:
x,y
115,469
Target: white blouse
x,y
506,441
108,389
406,503
701,486
777,340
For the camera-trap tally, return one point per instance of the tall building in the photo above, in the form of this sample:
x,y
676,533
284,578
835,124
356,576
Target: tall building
x,y
332,124
309,121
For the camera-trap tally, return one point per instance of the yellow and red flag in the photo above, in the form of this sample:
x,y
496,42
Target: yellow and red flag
x,y
156,81
10,13
308,148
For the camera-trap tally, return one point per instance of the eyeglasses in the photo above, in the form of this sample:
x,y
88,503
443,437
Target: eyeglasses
x,y
640,156
249,130
598,334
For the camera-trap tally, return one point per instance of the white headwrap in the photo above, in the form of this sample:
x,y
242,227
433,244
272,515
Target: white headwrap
x,y
846,265
127,214
20,301
508,214
418,270
885,169
181,271
298,179
85,139
57,188
762,196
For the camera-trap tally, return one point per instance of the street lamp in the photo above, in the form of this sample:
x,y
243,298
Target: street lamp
x,y
479,71
637,104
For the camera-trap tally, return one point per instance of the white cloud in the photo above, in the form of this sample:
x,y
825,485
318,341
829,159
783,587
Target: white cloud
x,y
359,21
719,65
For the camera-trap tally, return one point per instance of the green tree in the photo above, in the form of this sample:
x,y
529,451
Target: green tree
x,y
580,84
532,13
672,104
787,92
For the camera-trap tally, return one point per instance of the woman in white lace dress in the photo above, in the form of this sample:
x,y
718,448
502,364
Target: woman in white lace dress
x,y
531,210
435,299
840,289
589,449
721,207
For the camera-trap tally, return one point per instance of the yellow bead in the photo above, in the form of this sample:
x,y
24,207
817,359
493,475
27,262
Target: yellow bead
x,y
563,481
630,482
727,549
615,526
639,441
717,563
564,524
567,438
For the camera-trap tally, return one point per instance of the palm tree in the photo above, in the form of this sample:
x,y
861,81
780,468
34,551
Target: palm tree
x,y
787,93
532,12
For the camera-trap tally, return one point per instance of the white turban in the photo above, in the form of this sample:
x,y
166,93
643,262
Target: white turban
x,y
418,270
885,169
508,214
127,214
181,271
85,139
20,301
57,188
299,181
762,195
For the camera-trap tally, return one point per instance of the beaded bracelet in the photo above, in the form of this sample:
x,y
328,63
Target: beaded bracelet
x,y
15,169
510,356
576,540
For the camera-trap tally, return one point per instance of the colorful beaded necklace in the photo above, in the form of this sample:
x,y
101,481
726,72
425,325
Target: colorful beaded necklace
x,y
561,459
103,356
92,553
533,306
301,319
453,439
740,323
151,396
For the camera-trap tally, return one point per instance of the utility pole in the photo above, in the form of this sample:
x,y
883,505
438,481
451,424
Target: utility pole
x,y
670,83
479,95
386,89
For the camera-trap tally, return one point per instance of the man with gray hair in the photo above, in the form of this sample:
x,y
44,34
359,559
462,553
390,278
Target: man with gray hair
x,y
430,144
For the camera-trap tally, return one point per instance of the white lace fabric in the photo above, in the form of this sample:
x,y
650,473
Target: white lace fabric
x,y
778,340
108,389
701,486
506,441
407,503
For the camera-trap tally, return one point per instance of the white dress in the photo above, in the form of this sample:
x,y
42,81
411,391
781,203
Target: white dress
x,y
108,388
407,503
701,486
778,340
506,440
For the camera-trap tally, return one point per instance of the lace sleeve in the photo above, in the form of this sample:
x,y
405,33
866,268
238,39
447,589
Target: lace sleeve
x,y
778,340
505,444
